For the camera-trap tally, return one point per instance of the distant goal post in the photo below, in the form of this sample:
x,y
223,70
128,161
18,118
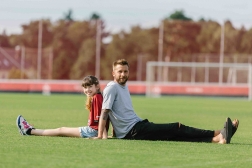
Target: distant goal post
x,y
191,78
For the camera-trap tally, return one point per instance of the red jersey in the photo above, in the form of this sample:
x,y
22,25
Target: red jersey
x,y
95,112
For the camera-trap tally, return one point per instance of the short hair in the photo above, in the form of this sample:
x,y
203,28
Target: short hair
x,y
120,62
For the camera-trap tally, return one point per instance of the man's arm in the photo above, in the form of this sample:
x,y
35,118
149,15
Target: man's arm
x,y
102,122
105,134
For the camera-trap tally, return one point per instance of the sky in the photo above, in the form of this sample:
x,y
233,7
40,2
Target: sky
x,y
122,14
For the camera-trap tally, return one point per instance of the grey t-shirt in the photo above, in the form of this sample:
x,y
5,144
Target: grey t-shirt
x,y
122,116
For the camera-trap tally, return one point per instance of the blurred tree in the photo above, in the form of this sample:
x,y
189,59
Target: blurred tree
x,y
14,40
74,43
65,52
209,37
68,16
95,16
15,73
4,40
85,37
202,20
129,46
29,37
84,65
178,15
246,43
180,39
240,35
230,35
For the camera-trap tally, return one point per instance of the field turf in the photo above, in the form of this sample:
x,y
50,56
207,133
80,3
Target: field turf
x,y
68,110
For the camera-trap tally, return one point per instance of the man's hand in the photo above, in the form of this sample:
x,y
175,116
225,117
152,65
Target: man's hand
x,y
102,123
94,138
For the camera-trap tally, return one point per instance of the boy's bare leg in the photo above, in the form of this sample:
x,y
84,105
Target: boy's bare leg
x,y
63,131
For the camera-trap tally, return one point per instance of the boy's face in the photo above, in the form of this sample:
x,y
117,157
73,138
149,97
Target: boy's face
x,y
121,74
90,90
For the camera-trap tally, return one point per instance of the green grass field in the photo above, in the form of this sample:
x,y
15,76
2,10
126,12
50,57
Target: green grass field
x,y
68,110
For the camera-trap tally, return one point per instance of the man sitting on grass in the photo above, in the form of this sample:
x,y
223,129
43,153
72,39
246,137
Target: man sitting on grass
x,y
118,107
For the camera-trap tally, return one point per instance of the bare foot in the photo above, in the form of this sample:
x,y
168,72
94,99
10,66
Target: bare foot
x,y
222,139
235,123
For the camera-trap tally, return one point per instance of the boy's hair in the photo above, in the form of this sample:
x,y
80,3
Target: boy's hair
x,y
89,81
120,62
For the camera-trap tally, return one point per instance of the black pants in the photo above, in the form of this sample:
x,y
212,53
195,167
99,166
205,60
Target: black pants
x,y
145,130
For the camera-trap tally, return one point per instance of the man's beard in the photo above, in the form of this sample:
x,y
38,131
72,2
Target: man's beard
x,y
122,81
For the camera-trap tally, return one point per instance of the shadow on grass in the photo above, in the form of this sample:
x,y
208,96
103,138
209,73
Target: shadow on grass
x,y
240,144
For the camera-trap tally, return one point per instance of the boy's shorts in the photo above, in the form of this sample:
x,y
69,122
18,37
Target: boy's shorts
x,y
86,132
